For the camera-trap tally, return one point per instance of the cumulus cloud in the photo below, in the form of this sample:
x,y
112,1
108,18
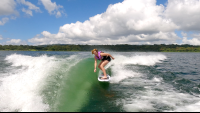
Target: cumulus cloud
x,y
131,22
15,42
196,36
48,38
123,19
52,8
30,7
193,41
7,7
184,13
4,20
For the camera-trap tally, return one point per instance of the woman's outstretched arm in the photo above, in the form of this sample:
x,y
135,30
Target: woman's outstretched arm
x,y
95,64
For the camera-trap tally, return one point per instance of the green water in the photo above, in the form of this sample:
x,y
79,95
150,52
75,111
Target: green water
x,y
76,87
79,89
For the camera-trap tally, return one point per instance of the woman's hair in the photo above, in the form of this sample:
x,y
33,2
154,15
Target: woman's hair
x,y
94,50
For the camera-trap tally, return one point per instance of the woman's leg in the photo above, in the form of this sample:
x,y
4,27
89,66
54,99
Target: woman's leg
x,y
102,65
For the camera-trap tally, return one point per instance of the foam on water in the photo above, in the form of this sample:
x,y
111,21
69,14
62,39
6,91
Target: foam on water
x,y
34,83
147,60
149,94
20,90
120,71
165,100
189,108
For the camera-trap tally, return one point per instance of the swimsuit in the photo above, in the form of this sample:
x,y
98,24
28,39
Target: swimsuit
x,y
106,58
103,58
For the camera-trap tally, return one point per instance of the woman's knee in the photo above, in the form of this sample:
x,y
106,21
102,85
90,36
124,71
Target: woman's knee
x,y
99,66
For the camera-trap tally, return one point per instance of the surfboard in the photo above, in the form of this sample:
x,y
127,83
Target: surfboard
x,y
104,80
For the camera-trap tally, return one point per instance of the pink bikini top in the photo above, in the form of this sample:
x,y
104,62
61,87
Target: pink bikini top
x,y
99,56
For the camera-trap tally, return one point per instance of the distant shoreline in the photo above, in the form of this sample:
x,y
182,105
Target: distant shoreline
x,y
119,51
117,48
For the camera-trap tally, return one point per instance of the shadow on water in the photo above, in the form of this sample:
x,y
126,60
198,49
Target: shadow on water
x,y
104,85
102,99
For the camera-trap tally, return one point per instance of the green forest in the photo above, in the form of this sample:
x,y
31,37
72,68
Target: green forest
x,y
118,47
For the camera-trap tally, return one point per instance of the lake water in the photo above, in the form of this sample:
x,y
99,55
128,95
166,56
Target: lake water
x,y
65,81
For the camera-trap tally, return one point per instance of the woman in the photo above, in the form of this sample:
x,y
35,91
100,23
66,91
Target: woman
x,y
105,59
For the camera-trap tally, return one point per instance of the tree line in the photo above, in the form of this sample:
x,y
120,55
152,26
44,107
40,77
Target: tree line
x,y
118,47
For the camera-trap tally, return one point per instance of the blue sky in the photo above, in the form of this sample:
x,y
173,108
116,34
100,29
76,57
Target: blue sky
x,y
37,22
26,26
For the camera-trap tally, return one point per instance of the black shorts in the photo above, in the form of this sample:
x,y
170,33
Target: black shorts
x,y
106,58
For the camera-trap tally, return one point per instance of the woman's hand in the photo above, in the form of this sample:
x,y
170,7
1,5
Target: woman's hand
x,y
113,58
94,70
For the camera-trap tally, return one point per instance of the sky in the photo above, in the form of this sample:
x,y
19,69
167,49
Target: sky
x,y
99,22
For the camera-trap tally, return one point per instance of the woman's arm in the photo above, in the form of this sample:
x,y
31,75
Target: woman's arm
x,y
95,64
107,54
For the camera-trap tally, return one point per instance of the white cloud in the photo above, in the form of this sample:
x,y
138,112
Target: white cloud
x,y
13,17
1,38
4,20
52,8
193,41
58,14
131,21
15,42
30,7
27,11
184,13
49,38
7,7
196,36
184,34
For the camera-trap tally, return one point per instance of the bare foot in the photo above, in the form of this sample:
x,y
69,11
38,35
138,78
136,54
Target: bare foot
x,y
103,78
